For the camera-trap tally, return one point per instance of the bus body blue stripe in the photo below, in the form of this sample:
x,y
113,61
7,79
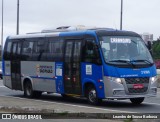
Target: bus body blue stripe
x,y
42,77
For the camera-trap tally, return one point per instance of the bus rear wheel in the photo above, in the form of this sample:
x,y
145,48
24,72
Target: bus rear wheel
x,y
137,101
28,91
92,96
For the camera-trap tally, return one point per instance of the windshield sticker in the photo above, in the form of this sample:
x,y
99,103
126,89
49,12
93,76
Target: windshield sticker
x,y
106,46
120,40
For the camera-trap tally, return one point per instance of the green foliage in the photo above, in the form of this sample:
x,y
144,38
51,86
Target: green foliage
x,y
156,50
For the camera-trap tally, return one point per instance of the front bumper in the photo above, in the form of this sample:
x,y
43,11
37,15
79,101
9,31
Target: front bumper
x,y
114,90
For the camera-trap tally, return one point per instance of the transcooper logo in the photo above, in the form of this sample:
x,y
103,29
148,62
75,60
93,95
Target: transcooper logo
x,y
43,69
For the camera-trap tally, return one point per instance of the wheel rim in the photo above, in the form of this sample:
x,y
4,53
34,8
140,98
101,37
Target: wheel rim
x,y
92,96
28,90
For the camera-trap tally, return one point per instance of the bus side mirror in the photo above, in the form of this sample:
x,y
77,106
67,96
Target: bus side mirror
x,y
149,45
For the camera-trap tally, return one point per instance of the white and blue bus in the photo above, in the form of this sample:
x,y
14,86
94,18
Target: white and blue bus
x,y
96,63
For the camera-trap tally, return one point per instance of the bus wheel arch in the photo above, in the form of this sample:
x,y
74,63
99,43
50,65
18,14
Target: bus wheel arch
x,y
28,89
91,94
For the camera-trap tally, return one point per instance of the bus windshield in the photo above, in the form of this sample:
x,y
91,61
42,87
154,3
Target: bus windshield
x,y
125,50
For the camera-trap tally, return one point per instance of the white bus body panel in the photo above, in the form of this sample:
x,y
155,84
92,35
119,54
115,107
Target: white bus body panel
x,y
7,77
41,73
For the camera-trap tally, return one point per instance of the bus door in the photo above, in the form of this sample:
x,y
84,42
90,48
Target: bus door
x,y
72,57
15,66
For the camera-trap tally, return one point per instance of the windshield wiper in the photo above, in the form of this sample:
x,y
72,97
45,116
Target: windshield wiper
x,y
122,61
146,61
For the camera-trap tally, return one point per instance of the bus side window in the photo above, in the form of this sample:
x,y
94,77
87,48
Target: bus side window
x,y
27,48
91,53
14,49
55,49
19,47
39,50
7,51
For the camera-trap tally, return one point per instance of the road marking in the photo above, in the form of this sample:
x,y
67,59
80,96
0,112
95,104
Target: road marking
x,y
151,103
79,106
2,86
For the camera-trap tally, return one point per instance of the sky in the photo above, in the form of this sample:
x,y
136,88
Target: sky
x,y
140,16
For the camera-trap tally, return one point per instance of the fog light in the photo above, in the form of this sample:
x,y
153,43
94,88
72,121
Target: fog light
x,y
154,90
114,92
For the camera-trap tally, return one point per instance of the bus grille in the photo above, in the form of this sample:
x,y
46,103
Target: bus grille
x,y
136,80
132,90
130,81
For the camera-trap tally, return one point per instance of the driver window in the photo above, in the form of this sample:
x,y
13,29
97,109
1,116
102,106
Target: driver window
x,y
90,53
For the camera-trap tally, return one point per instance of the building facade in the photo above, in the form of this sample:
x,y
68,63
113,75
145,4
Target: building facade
x,y
147,37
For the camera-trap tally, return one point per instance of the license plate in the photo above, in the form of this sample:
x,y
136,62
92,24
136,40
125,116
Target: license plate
x,y
138,86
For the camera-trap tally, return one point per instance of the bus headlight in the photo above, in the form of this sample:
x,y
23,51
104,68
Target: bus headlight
x,y
118,80
114,79
153,79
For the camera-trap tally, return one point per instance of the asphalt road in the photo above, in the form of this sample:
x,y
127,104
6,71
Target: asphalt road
x,y
57,103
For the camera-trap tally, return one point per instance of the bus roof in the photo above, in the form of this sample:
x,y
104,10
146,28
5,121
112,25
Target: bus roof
x,y
63,32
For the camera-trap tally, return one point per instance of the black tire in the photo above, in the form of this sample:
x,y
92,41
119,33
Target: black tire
x,y
66,97
28,91
1,77
92,96
37,94
137,101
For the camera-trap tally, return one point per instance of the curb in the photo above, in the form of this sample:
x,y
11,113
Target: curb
x,y
29,110
55,114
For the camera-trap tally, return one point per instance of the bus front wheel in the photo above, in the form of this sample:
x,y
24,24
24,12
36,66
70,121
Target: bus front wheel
x,y
92,96
137,101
